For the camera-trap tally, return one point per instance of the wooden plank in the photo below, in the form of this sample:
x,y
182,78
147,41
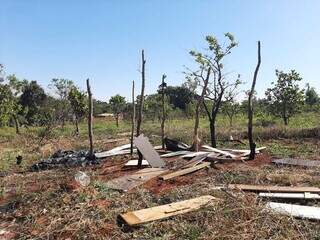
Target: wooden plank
x,y
305,195
128,182
134,163
185,171
147,150
173,154
113,153
216,150
297,162
295,210
165,211
194,154
195,161
264,188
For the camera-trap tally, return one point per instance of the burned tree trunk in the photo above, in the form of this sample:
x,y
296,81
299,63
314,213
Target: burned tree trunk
x,y
163,85
16,124
133,119
90,113
250,108
77,125
196,140
139,120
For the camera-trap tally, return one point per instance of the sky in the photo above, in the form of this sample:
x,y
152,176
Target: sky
x,y
102,40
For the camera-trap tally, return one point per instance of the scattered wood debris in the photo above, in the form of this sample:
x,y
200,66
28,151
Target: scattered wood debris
x,y
147,150
128,182
265,188
296,162
185,171
174,154
134,163
305,195
295,210
164,211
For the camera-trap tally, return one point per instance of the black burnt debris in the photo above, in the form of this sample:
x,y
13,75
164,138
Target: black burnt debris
x,y
65,159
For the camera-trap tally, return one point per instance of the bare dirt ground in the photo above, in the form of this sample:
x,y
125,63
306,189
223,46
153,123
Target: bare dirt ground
x,y
52,205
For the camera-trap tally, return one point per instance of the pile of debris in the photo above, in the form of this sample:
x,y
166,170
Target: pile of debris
x,y
66,159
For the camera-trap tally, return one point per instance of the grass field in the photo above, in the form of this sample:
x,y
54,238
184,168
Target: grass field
x,y
47,205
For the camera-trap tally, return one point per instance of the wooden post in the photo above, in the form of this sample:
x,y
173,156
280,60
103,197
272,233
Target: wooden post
x,y
139,120
163,85
196,140
250,108
90,113
133,119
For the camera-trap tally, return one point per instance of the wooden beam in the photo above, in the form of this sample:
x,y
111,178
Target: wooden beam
x,y
264,188
295,210
305,195
185,171
297,162
165,211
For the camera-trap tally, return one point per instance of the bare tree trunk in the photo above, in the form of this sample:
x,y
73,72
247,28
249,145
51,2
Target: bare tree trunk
x,y
117,120
133,119
77,125
196,140
250,108
139,120
16,124
90,113
163,111
213,133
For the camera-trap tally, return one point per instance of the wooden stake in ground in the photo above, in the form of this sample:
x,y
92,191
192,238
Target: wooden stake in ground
x,y
162,88
250,108
139,120
90,112
196,140
133,119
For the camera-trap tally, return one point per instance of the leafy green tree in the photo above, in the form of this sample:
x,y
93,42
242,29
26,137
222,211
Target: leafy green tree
x,y
62,88
212,60
311,96
179,96
10,107
32,100
78,101
100,107
285,97
118,104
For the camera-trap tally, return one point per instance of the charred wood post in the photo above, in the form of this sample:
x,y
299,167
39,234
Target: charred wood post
x,y
250,108
90,113
162,89
139,120
133,119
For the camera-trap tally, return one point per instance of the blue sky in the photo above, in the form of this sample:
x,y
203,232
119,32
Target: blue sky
x,y
102,40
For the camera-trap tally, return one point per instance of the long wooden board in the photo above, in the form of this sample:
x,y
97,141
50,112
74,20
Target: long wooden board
x,y
147,150
295,210
128,182
165,211
297,162
265,188
216,150
173,154
305,195
185,171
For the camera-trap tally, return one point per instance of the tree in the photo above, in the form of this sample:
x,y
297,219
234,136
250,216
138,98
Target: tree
x,y
78,101
179,96
10,107
218,84
250,107
285,97
32,100
62,88
118,104
311,96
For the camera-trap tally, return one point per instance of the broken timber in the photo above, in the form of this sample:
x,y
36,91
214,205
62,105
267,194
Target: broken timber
x,y
173,154
305,195
134,163
147,150
295,210
264,188
128,182
297,162
165,211
185,171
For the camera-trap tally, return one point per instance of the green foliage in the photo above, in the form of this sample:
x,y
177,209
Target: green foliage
x,y
179,96
100,107
311,96
286,98
153,106
118,105
32,100
78,101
